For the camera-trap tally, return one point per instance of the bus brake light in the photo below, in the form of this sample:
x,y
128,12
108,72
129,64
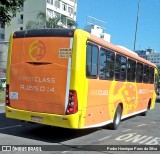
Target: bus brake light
x,y
72,103
7,95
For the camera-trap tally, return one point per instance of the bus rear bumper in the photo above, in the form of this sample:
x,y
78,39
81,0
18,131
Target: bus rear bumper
x,y
65,121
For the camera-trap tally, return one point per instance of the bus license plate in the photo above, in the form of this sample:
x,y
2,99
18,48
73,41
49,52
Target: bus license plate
x,y
36,118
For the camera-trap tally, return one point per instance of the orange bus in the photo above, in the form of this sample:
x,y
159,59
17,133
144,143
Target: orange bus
x,y
72,79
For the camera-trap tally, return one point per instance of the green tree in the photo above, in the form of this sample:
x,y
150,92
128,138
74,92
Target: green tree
x,y
43,21
8,9
71,24
158,74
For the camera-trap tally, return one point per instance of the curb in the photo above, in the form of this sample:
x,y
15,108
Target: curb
x,y
1,105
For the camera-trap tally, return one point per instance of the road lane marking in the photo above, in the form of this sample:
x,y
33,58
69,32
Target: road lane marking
x,y
153,122
127,130
137,138
105,138
71,149
10,127
65,151
141,125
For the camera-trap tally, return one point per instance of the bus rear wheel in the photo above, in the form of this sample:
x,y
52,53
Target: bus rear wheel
x,y
145,112
117,118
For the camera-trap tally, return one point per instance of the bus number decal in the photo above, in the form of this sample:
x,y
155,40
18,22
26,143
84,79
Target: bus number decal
x,y
65,52
35,80
37,88
99,92
144,91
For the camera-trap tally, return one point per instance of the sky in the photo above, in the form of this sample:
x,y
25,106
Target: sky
x,y
120,16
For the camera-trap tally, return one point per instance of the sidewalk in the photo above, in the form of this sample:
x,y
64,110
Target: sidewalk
x,y
2,98
2,104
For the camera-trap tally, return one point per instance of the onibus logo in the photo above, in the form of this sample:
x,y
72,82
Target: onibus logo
x,y
37,50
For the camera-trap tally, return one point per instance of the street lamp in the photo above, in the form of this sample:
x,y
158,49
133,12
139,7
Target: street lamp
x,y
136,26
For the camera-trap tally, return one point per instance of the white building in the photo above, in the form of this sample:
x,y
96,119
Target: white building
x,y
65,9
151,55
97,27
154,58
3,58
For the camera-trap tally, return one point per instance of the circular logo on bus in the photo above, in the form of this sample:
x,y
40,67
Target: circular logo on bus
x,y
125,93
37,50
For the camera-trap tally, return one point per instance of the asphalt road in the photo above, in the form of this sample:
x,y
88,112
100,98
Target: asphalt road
x,y
137,134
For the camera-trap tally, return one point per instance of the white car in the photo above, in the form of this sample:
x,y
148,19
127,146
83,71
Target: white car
x,y
3,83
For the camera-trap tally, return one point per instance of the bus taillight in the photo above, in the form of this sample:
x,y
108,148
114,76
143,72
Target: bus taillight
x,y
72,102
7,95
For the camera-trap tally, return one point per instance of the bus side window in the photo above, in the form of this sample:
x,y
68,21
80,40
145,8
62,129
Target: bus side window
x,y
139,72
117,67
131,69
123,68
106,62
151,75
146,74
120,67
92,61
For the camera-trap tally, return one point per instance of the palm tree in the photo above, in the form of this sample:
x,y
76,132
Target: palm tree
x,y
43,21
53,23
71,23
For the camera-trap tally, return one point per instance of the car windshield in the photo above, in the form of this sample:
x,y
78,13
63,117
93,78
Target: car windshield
x,y
3,80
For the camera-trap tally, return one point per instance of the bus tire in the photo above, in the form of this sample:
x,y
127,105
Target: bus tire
x,y
145,112
117,118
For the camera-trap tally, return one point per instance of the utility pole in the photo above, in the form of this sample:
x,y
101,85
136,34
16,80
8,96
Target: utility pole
x,y
136,26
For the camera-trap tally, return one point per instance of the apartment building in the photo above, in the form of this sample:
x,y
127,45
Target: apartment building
x,y
64,9
3,58
151,55
142,53
154,58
